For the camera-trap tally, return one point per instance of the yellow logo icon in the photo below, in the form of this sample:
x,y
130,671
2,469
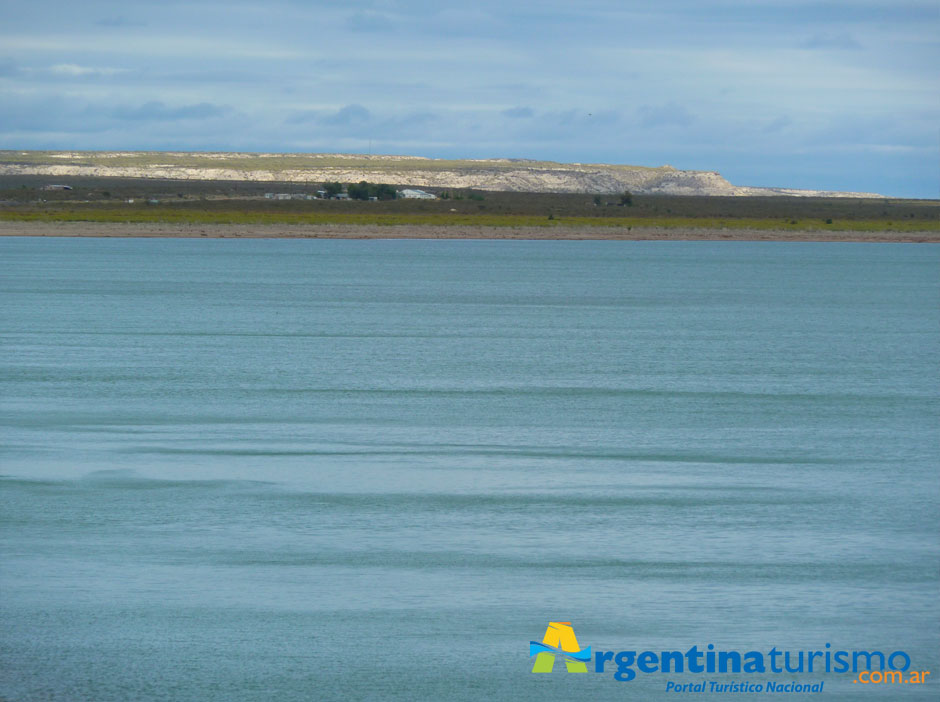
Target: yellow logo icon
x,y
559,640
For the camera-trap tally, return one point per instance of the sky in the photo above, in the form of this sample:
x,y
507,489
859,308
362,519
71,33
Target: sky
x,y
828,94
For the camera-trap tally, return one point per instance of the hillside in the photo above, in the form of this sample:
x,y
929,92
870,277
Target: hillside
x,y
512,175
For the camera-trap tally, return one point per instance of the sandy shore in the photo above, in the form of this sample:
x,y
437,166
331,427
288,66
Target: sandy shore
x,y
343,231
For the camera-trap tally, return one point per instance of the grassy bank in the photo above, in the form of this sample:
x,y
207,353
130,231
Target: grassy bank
x,y
173,215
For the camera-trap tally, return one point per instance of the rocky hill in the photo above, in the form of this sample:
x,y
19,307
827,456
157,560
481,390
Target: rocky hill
x,y
485,174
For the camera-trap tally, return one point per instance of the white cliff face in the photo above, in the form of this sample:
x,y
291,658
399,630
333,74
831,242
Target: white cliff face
x,y
485,174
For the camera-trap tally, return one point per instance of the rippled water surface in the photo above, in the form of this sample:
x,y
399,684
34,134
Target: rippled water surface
x,y
298,470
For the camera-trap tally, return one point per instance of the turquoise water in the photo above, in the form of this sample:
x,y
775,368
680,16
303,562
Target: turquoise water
x,y
299,470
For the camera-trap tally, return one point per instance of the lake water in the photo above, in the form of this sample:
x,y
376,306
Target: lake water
x,y
303,470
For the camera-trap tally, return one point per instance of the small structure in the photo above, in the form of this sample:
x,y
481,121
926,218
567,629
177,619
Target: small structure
x,y
282,196
269,196
321,194
57,187
411,194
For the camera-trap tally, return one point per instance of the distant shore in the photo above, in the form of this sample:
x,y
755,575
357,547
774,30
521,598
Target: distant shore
x,y
364,231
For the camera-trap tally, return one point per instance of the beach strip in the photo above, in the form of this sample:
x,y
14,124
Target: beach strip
x,y
366,231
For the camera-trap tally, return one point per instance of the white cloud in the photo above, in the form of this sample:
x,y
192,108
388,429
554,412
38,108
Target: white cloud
x,y
72,69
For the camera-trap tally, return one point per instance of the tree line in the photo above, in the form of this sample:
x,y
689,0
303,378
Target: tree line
x,y
362,190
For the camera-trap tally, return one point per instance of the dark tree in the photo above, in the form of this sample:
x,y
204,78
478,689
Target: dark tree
x,y
333,189
384,192
359,191
363,190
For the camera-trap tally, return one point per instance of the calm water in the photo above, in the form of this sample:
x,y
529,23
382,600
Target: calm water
x,y
298,470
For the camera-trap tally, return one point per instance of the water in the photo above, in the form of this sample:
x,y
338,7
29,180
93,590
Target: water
x,y
295,470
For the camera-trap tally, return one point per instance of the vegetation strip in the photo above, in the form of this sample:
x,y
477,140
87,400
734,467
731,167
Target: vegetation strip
x,y
158,215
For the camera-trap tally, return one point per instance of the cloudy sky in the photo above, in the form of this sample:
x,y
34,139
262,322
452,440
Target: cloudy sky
x,y
828,94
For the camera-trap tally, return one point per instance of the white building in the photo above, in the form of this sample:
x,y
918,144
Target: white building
x,y
416,195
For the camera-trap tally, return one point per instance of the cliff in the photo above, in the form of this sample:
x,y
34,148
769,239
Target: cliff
x,y
484,174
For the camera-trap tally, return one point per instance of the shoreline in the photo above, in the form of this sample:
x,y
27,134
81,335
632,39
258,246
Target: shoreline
x,y
367,231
